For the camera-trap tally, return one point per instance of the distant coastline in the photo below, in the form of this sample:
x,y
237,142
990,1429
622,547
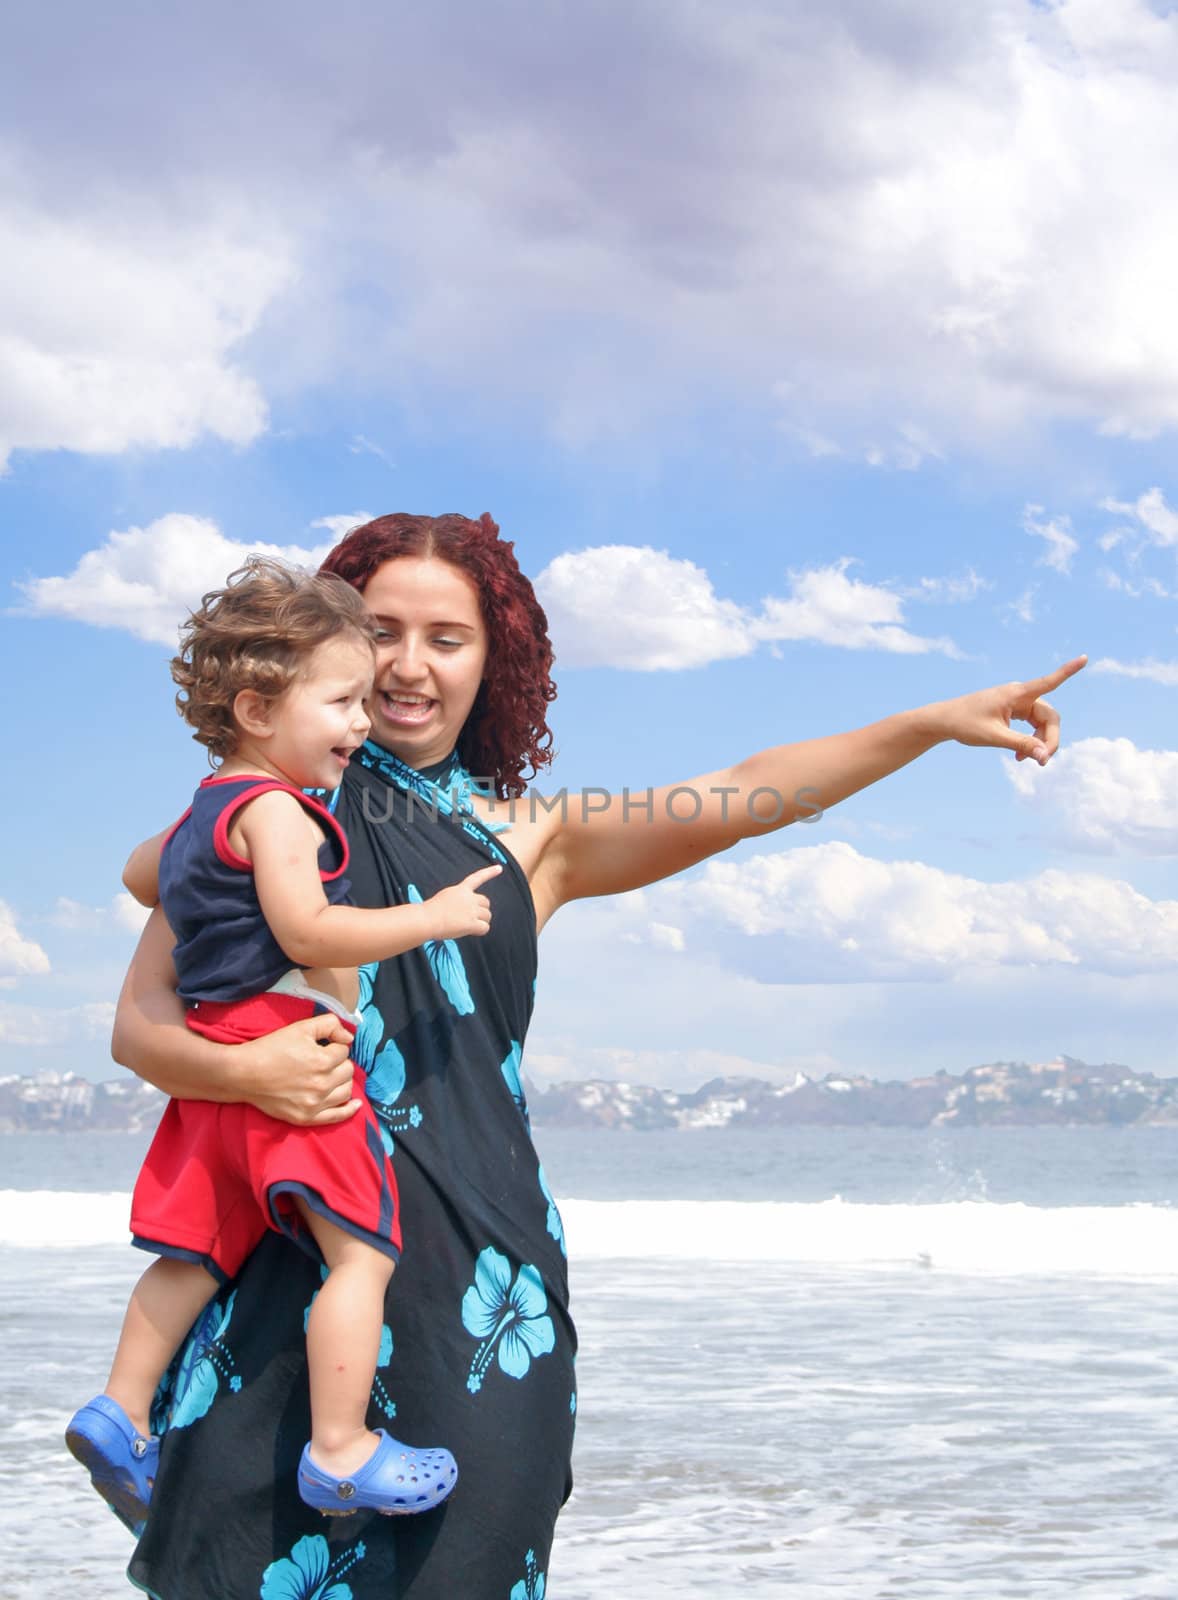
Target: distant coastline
x,y
1060,1093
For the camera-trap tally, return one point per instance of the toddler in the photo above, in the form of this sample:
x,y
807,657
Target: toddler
x,y
274,670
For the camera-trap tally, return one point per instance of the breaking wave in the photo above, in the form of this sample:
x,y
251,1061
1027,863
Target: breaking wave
x,y
963,1236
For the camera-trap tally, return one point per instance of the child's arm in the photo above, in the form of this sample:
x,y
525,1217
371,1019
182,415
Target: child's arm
x,y
141,875
301,1074
281,845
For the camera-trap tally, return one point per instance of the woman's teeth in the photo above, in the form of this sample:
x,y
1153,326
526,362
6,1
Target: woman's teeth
x,y
413,707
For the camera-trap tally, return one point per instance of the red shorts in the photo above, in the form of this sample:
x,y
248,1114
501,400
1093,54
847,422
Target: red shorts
x,y
217,1176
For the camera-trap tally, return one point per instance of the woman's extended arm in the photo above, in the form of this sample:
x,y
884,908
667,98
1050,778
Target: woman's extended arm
x,y
606,844
300,1074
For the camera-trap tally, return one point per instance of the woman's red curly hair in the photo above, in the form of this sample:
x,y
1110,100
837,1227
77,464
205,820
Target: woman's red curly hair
x,y
506,738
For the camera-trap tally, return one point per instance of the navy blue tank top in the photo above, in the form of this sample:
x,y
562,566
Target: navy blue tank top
x,y
224,947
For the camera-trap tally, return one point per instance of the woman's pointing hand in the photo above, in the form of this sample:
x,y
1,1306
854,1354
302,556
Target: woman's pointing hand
x,y
984,717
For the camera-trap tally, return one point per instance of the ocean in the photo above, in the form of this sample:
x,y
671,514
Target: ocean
x,y
815,1362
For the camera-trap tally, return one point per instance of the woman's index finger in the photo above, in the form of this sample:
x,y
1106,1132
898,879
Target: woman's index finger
x,y
1052,680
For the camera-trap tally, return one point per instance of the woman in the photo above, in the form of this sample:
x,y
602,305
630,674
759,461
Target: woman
x,y
479,1347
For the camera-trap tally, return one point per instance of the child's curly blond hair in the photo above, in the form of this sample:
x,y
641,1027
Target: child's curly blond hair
x,y
258,632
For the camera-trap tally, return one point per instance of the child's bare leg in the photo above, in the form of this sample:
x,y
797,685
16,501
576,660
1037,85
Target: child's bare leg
x,y
343,1343
164,1304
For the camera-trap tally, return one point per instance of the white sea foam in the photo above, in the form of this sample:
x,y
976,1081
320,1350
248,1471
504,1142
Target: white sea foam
x,y
42,1218
965,1236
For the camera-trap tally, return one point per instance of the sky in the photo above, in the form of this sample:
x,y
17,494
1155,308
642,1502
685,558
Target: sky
x,y
819,361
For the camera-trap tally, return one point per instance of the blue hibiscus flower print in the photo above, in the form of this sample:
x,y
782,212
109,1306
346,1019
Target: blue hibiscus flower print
x,y
371,1029
555,1225
310,1572
447,966
382,1063
531,1585
386,1080
509,1318
513,1078
204,1363
380,1390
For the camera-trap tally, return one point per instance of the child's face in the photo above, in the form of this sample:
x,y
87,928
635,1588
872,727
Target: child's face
x,y
320,720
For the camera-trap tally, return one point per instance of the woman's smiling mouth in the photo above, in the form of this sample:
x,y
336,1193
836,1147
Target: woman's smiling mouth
x,y
405,709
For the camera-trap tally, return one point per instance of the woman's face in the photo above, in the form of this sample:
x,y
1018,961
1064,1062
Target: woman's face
x,y
430,654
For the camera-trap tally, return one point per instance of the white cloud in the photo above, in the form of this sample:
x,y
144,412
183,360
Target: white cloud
x,y
1022,607
1135,591
780,998
883,239
827,913
622,606
1106,795
816,445
1115,536
123,912
363,446
128,913
40,1026
902,215
949,591
829,608
75,917
1154,526
631,606
146,580
338,526
1152,514
904,446
119,332
1056,534
19,957
911,446
1163,672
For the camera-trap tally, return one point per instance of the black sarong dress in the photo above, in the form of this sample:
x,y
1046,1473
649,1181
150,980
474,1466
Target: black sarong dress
x,y
478,1345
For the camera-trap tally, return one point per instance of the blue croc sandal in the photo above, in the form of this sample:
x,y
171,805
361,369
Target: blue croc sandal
x,y
122,1463
396,1480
